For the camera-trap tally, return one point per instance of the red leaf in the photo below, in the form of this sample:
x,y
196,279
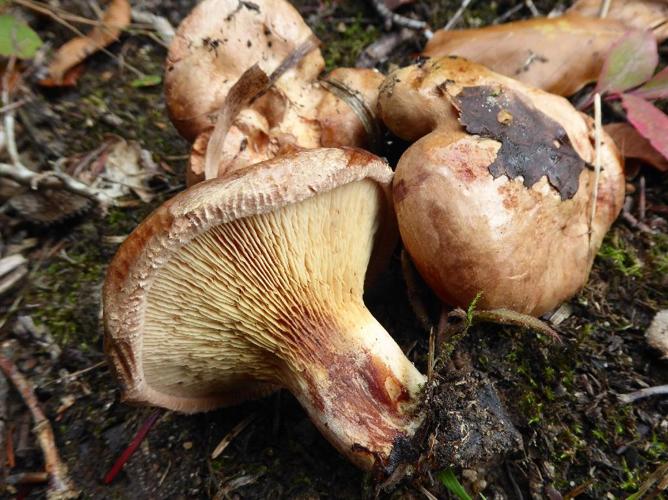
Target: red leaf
x,y
656,88
630,62
650,121
634,146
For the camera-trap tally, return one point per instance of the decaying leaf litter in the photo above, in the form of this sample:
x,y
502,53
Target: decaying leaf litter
x,y
577,436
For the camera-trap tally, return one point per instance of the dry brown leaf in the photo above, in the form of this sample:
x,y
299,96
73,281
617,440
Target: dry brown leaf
x,y
116,17
633,145
639,14
559,55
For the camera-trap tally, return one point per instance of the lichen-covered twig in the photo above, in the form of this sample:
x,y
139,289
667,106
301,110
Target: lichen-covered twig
x,y
392,19
60,486
160,24
21,174
659,390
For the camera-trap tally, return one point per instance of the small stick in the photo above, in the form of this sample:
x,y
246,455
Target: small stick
x,y
430,358
604,9
160,24
395,19
532,7
70,377
18,172
428,495
4,431
236,430
597,159
460,12
60,486
659,390
132,447
28,478
642,202
509,13
630,218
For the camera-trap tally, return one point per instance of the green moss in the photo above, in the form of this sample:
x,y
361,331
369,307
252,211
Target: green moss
x,y
344,42
658,254
622,257
66,296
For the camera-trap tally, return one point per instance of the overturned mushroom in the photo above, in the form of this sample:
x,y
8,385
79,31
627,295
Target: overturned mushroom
x,y
496,193
217,43
253,282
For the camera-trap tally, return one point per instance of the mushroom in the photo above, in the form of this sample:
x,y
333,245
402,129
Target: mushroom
x,y
218,42
495,195
253,282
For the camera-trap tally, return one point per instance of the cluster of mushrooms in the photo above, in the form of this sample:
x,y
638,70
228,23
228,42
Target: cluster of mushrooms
x,y
251,280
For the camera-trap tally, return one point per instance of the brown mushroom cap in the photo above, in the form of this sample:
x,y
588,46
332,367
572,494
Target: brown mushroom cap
x,y
253,282
521,241
219,41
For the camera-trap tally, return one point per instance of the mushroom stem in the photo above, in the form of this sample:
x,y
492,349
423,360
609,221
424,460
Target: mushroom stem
x,y
361,392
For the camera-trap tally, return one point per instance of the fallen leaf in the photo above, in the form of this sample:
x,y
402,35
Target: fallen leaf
x,y
656,88
630,61
116,17
17,38
638,14
657,333
560,55
123,168
633,145
648,120
69,79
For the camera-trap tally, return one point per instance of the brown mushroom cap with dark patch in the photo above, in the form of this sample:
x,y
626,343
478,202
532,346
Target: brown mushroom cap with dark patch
x,y
496,193
253,282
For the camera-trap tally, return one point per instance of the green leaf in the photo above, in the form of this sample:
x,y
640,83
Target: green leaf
x,y
630,62
147,81
656,88
449,480
17,38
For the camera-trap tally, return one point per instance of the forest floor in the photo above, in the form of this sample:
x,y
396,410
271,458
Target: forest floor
x,y
578,438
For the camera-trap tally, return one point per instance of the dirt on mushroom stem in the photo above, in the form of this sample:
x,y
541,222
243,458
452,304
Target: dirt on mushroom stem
x,y
560,397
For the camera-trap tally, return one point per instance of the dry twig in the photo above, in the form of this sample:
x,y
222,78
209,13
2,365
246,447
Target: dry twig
x,y
460,12
21,174
236,430
659,390
160,24
392,19
597,161
60,486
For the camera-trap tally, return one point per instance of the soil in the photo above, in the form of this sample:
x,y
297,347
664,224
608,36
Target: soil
x,y
542,418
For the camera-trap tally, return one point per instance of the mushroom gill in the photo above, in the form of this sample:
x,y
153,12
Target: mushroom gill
x,y
240,286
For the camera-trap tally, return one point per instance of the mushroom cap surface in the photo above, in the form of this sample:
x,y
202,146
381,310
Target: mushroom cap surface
x,y
217,42
524,243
